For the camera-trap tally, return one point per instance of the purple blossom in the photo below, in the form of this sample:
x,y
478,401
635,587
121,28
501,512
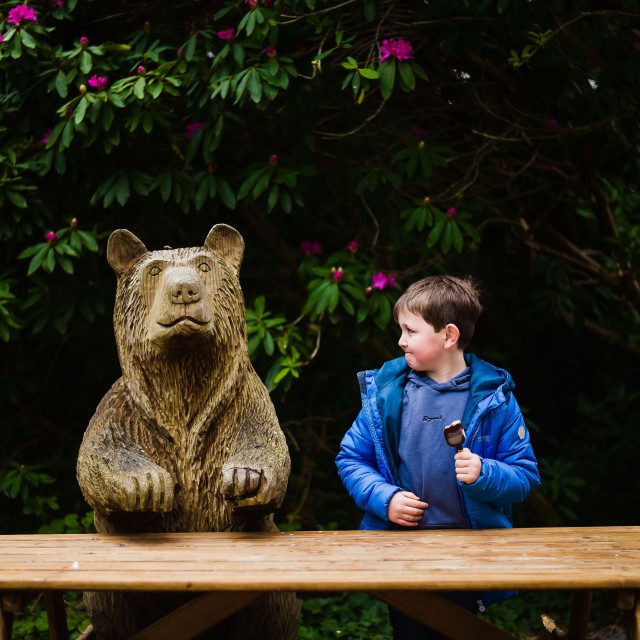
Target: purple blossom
x,y
337,273
253,4
353,246
51,237
452,212
84,41
22,14
45,136
552,123
99,83
191,129
273,159
226,34
310,247
270,51
398,48
1,38
382,281
141,70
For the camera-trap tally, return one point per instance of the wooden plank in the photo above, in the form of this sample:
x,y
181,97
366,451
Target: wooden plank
x,y
442,615
561,558
197,616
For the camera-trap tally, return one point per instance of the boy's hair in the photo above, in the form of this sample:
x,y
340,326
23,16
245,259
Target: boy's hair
x,y
442,300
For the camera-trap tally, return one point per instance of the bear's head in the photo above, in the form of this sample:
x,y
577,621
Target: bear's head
x,y
176,304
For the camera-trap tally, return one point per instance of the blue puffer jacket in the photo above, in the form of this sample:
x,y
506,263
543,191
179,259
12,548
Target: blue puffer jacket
x,y
495,430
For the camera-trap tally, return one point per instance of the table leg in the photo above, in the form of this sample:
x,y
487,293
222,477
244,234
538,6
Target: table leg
x,y
579,617
56,615
629,603
6,624
442,615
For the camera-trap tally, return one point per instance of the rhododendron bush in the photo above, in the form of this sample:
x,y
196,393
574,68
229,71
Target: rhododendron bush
x,y
357,146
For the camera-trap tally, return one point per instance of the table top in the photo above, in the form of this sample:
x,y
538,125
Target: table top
x,y
494,559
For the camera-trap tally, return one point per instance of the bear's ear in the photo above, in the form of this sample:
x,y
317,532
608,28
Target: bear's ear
x,y
227,244
122,249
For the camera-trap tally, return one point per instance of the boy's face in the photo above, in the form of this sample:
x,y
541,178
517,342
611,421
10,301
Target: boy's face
x,y
423,347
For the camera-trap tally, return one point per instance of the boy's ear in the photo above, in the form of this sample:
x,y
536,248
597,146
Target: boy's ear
x,y
451,336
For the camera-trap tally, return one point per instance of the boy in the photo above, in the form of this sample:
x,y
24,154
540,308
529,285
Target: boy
x,y
394,460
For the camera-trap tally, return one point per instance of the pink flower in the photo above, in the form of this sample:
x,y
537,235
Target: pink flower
x,y
337,273
84,41
398,48
45,136
552,123
226,34
22,14
270,51
309,247
191,129
1,38
273,159
452,212
253,4
99,83
141,70
353,246
51,237
382,281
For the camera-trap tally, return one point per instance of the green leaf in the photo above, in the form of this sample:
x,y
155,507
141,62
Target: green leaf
x,y
17,198
138,88
387,71
406,74
81,110
226,193
371,74
436,231
122,189
88,240
49,262
255,86
86,62
27,39
61,84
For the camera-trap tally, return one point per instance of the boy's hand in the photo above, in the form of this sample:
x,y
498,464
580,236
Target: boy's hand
x,y
406,509
468,466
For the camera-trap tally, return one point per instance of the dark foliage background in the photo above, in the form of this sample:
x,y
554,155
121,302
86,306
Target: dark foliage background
x,y
504,144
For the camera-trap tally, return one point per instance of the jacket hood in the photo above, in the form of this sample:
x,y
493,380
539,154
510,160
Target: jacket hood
x,y
488,384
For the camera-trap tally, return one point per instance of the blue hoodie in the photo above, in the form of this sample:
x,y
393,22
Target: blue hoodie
x,y
495,430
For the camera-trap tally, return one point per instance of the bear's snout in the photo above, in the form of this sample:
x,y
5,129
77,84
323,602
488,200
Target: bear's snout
x,y
184,286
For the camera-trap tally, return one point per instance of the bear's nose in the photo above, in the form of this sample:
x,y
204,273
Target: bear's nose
x,y
185,291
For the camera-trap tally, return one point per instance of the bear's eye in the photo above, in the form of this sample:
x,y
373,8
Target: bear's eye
x,y
204,267
155,270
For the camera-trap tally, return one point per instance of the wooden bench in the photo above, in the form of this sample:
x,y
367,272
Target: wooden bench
x,y
226,571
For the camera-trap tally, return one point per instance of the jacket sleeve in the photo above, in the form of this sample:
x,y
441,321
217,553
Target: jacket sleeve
x,y
509,467
359,471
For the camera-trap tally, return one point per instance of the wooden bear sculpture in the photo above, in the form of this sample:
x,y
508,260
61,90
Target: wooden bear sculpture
x,y
187,439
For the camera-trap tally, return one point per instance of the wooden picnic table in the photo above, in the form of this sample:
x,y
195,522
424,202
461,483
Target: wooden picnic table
x,y
226,571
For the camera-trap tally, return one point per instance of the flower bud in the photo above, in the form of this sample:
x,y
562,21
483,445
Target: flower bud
x,y
74,223
50,237
83,89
